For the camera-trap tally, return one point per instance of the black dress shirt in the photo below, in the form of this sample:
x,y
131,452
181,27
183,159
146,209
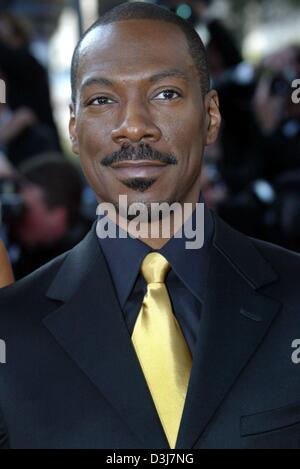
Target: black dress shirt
x,y
186,281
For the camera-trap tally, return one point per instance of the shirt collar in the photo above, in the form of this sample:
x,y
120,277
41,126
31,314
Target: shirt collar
x,y
125,255
191,265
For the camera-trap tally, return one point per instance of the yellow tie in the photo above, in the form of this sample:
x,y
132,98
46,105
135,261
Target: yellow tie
x,y
161,348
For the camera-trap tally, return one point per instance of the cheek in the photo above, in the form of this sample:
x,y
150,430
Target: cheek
x,y
189,138
184,131
89,138
95,143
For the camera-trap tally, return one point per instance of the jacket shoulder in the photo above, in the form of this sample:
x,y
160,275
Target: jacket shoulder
x,y
34,285
28,296
282,259
286,264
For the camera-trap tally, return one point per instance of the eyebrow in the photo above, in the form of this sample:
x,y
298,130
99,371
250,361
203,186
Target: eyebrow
x,y
170,73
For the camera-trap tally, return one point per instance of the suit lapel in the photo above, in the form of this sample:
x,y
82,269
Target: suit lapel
x,y
90,327
234,320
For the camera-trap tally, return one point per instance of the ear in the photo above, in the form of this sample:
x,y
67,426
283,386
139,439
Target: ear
x,y
213,123
72,130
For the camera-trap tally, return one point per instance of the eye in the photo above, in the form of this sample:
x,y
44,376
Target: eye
x,y
101,100
167,95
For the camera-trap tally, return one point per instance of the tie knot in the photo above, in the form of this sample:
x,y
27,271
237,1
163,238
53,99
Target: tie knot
x,y
154,268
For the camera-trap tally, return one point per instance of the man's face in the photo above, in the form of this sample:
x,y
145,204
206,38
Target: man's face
x,y
39,225
140,123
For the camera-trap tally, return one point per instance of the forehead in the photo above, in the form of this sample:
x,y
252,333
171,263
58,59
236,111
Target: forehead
x,y
134,46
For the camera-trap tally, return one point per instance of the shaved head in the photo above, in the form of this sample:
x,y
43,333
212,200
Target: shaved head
x,y
140,10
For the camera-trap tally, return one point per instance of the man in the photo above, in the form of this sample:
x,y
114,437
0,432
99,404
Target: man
x,y
51,220
128,343
28,94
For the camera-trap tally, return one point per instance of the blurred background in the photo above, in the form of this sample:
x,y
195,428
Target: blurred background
x,y
251,176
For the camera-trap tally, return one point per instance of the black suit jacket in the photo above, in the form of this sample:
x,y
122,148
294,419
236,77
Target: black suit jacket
x,y
72,379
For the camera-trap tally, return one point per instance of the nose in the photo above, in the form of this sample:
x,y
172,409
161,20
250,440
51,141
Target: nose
x,y
136,125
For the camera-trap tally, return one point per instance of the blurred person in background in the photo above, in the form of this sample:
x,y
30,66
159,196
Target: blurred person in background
x,y
27,89
51,221
277,115
13,124
268,207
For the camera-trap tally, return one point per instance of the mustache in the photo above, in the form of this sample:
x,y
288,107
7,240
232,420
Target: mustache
x,y
143,152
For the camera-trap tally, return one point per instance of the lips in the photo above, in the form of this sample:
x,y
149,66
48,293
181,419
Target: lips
x,y
138,168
